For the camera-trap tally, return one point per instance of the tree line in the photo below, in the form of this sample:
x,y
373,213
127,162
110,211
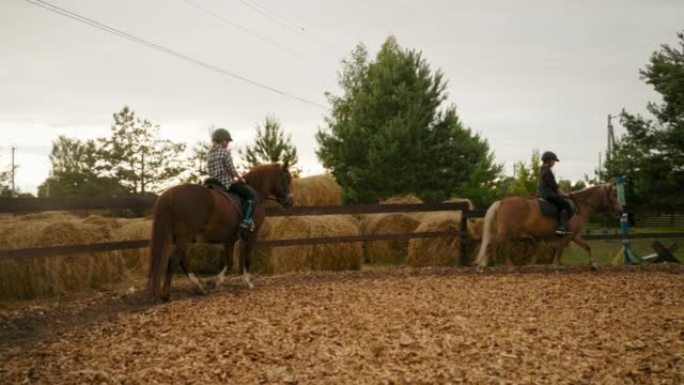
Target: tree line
x,y
390,131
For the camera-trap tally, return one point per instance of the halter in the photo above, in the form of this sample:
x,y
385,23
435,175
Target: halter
x,y
603,206
282,200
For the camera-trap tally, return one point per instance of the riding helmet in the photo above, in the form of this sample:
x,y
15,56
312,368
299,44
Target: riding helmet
x,y
221,134
549,155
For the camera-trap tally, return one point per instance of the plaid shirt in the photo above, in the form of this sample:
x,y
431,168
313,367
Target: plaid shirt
x,y
220,165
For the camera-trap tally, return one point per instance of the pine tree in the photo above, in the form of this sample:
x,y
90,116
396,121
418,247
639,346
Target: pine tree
x,y
271,145
135,155
391,132
651,153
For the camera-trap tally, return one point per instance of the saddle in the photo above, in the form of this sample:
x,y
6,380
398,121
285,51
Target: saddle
x,y
233,198
550,210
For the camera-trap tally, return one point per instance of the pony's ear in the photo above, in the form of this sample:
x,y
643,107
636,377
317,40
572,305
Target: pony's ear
x,y
286,165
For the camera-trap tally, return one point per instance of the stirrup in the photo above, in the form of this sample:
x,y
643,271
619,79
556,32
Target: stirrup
x,y
247,225
561,232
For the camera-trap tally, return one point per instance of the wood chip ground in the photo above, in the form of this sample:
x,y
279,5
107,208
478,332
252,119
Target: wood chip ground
x,y
615,326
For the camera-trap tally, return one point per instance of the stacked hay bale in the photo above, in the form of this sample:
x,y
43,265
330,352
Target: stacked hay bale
x,y
338,256
442,251
136,260
316,190
393,251
24,278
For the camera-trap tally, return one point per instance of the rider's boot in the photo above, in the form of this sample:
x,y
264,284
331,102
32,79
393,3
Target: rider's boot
x,y
563,228
247,222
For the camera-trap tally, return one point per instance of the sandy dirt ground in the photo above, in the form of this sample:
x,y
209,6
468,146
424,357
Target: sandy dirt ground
x,y
402,326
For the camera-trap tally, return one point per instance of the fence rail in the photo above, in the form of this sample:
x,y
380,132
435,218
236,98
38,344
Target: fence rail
x,y
71,204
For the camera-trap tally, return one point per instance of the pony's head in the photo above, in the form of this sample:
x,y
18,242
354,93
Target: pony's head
x,y
610,200
272,181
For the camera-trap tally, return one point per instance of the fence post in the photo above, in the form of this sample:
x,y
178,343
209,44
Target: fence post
x,y
465,260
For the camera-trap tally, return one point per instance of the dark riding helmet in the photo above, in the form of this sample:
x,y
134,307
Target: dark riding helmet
x,y
221,134
549,155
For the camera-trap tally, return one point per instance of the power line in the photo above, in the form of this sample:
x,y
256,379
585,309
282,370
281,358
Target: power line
x,y
233,24
95,24
259,8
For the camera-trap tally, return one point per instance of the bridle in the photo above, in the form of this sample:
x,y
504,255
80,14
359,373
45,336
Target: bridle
x,y
603,206
282,199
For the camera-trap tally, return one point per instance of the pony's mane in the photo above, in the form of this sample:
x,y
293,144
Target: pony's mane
x,y
580,192
260,177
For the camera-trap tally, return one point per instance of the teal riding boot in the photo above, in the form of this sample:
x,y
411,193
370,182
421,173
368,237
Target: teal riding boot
x,y
247,222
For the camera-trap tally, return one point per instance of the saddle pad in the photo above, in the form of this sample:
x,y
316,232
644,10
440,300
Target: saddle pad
x,y
550,210
215,185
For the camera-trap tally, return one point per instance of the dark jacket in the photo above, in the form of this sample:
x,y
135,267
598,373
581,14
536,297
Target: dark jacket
x,y
547,183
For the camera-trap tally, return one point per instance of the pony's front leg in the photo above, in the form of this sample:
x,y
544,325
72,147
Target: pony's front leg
x,y
246,247
558,253
583,244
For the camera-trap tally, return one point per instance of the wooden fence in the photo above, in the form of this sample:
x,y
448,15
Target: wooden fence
x,y
22,206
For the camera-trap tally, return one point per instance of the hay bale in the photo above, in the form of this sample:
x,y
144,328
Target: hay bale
x,y
394,251
32,277
316,190
402,199
47,216
111,223
134,230
443,251
340,256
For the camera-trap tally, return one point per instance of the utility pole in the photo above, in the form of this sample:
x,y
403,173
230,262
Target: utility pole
x,y
13,192
611,138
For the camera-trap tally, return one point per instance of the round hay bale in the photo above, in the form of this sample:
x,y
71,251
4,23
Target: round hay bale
x,y
316,190
134,230
32,277
402,199
393,251
443,251
338,256
47,216
111,223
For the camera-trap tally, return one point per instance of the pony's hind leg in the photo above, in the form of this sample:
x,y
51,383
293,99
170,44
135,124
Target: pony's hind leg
x,y
170,270
227,263
246,247
185,265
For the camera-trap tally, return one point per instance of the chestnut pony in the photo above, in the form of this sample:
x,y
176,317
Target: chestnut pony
x,y
518,216
187,213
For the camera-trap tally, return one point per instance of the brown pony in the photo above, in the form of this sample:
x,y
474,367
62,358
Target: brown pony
x,y
190,212
517,216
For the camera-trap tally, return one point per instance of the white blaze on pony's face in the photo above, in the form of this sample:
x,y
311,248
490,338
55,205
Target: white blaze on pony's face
x,y
613,201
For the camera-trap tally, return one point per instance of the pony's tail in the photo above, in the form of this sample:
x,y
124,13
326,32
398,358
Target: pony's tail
x,y
161,238
488,232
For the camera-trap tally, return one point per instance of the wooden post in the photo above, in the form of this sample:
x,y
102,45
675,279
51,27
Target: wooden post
x,y
465,260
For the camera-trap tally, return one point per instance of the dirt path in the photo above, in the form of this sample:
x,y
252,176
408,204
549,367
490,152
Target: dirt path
x,y
537,325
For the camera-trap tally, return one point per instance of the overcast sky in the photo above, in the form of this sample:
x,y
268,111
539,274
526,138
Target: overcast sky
x,y
525,74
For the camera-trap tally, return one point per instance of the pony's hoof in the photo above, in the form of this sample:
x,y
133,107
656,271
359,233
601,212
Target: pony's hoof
x,y
593,266
479,269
